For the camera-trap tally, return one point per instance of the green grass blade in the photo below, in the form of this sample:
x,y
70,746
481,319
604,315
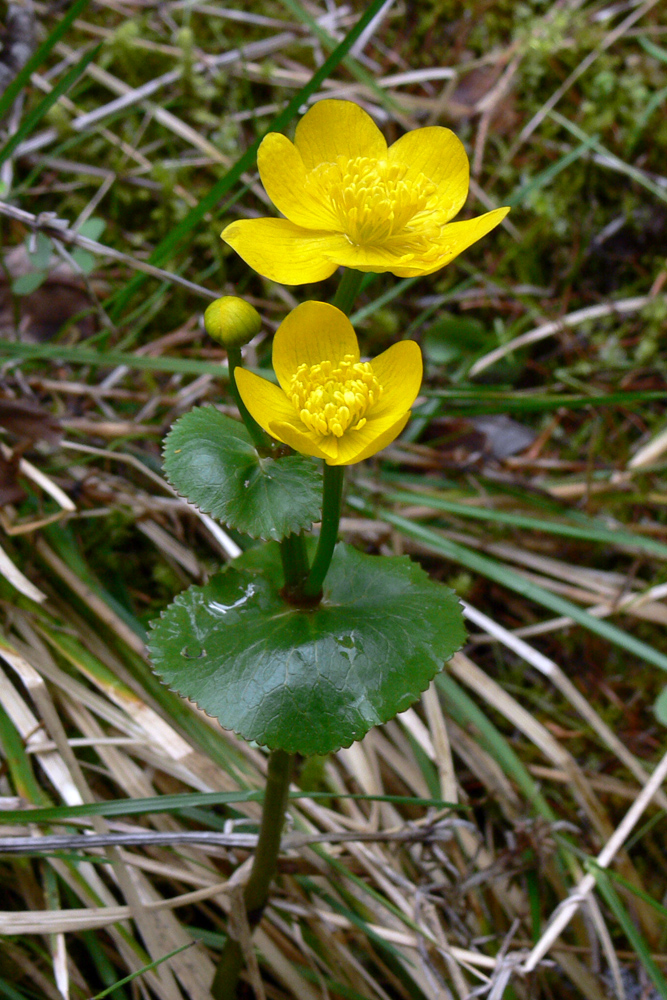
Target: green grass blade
x,y
109,359
140,972
10,993
509,578
36,115
356,69
465,712
620,165
658,98
546,176
592,533
481,401
615,877
168,245
189,800
36,60
392,293
653,49
105,969
359,914
19,764
629,928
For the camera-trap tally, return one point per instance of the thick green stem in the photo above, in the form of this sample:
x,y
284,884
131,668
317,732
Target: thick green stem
x,y
263,869
258,436
295,563
348,290
334,476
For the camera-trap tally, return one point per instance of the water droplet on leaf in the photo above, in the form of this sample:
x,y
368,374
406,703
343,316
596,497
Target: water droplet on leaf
x,y
193,652
221,608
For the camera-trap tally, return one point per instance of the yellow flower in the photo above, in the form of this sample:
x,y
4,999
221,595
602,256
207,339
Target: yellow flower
x,y
350,200
329,403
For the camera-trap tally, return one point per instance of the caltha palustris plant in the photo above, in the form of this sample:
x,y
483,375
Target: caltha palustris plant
x,y
305,654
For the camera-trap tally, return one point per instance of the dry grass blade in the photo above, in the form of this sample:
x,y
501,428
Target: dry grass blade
x,y
385,890
606,855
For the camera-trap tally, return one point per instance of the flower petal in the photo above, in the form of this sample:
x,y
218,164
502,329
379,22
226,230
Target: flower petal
x,y
303,441
439,155
399,370
377,259
284,177
403,261
282,251
266,402
312,333
458,236
353,448
337,128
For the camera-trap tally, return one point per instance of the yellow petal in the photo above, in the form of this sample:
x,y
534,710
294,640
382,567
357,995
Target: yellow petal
x,y
284,177
337,128
439,155
303,441
454,239
312,333
266,402
458,236
377,259
370,439
283,252
399,371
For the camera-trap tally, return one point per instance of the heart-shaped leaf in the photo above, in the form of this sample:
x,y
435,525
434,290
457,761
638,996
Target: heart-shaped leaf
x,y
210,459
308,681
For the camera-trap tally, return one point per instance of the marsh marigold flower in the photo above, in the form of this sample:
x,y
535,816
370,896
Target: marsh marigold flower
x,y
350,200
328,402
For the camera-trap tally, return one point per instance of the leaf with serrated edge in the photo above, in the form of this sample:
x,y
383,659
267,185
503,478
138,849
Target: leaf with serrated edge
x,y
210,459
308,681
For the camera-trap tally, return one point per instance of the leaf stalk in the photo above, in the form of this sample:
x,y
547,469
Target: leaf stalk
x,y
264,867
259,438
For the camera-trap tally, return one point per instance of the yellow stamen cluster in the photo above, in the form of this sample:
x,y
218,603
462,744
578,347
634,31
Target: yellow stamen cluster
x,y
374,200
333,400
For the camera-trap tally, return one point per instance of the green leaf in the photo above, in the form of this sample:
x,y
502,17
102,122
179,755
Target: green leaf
x,y
25,284
40,257
92,228
660,707
84,260
452,337
510,578
308,680
210,459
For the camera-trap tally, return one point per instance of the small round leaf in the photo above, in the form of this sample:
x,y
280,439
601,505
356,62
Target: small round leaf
x,y
660,707
210,459
308,681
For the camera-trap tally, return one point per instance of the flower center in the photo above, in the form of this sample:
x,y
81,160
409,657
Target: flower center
x,y
373,200
333,400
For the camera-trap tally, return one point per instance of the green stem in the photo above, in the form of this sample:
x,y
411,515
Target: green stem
x,y
258,436
263,869
334,476
295,563
348,290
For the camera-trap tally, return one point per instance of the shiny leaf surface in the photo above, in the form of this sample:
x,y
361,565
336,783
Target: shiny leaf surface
x,y
210,459
308,681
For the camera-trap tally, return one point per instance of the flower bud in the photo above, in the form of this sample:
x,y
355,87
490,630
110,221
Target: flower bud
x,y
231,321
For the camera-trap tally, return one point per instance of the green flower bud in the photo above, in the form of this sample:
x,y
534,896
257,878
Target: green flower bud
x,y
231,321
